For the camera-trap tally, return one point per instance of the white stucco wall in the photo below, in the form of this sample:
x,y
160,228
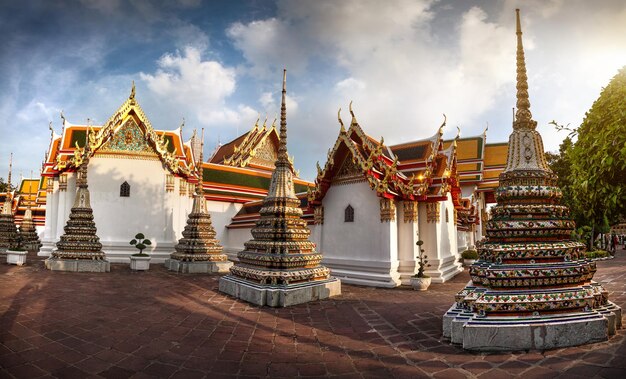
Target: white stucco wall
x,y
364,251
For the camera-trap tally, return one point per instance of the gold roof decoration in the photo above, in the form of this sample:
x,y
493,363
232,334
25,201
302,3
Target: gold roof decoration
x,y
407,171
258,147
99,136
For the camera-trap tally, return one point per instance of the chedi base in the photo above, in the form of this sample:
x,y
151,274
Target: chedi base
x,y
279,296
77,265
202,267
530,333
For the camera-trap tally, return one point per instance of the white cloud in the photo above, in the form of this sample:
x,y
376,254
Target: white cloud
x,y
350,85
197,86
272,106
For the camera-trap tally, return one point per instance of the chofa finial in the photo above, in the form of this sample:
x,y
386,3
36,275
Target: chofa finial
x,y
132,92
342,129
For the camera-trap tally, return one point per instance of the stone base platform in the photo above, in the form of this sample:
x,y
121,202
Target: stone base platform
x,y
530,333
274,296
204,267
77,265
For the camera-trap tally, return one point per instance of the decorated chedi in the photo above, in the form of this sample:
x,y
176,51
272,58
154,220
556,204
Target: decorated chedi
x,y
279,266
79,248
28,232
8,230
199,251
532,287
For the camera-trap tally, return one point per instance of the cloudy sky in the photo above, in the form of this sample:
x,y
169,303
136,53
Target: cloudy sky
x,y
218,65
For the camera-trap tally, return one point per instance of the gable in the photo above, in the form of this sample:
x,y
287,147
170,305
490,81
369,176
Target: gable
x,y
129,138
266,153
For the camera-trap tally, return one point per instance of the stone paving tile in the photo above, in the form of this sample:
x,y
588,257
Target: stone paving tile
x,y
159,324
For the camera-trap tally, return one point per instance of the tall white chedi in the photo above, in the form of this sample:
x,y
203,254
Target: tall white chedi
x,y
532,286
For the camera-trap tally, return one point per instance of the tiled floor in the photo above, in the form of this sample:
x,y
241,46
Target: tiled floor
x,y
160,324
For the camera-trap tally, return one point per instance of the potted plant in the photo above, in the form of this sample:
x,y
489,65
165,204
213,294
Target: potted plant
x,y
140,261
421,281
469,257
17,254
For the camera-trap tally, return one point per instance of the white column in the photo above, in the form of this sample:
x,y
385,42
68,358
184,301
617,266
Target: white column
x,y
407,238
439,239
52,209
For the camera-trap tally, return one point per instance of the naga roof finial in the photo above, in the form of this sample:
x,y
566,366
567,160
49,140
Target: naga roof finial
x,y
343,129
352,113
445,119
132,92
523,117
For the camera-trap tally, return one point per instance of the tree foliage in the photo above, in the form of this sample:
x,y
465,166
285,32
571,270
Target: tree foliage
x,y
4,185
598,158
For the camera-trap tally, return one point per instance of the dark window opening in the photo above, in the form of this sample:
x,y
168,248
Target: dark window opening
x,y
125,190
349,214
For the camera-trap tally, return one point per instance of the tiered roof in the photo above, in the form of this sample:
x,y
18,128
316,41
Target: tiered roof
x,y
257,148
420,170
27,194
66,151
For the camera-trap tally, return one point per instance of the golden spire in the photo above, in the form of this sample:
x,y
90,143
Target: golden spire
x,y
523,117
9,176
282,147
199,170
81,180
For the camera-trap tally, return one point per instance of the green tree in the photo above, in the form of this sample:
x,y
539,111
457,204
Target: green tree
x,y
598,158
561,164
4,185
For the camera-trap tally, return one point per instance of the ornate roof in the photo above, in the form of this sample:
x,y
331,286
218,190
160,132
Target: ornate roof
x,y
128,132
256,148
418,170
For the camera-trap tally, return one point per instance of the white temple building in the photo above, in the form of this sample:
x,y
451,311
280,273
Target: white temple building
x,y
365,208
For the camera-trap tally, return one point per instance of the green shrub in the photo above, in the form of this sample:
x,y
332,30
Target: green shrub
x,y
596,254
469,254
140,242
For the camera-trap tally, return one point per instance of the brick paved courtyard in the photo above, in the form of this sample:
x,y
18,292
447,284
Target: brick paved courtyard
x,y
161,324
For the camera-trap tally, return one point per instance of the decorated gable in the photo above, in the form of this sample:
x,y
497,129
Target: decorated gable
x,y
129,138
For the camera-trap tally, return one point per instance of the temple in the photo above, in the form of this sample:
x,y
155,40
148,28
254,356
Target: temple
x,y
280,266
150,179
146,180
532,286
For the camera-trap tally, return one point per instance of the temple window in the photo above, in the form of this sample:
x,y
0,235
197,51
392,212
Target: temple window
x,y
349,214
447,219
125,190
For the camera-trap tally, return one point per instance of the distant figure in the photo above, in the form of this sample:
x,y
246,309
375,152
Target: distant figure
x,y
613,243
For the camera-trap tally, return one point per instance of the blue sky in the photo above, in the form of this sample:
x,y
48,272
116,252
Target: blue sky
x,y
218,65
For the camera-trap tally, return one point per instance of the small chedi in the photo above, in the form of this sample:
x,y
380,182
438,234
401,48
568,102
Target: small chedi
x,y
8,230
28,231
30,238
79,248
531,287
280,266
199,251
